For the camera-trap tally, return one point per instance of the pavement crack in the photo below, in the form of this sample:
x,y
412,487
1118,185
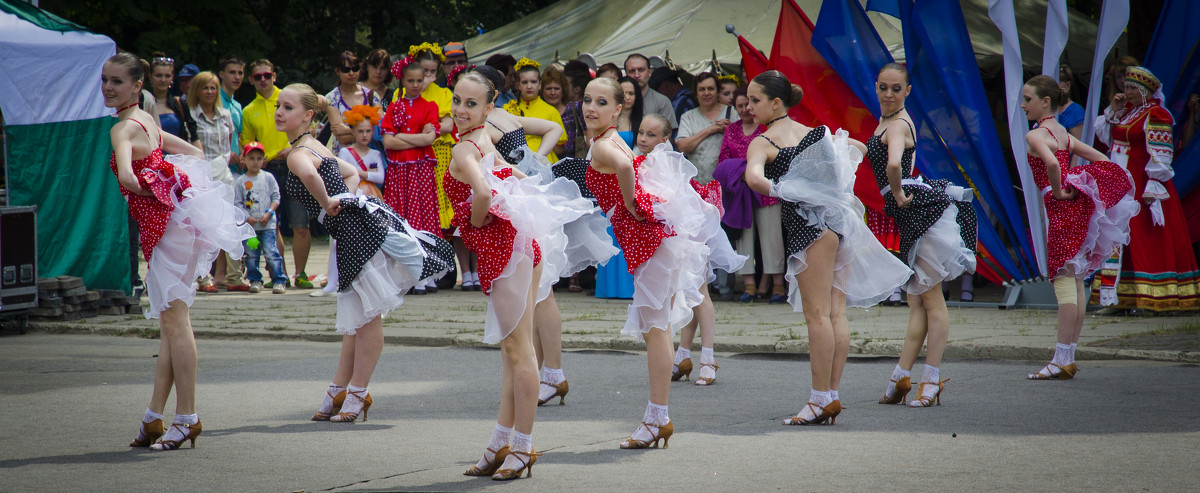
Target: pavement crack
x,y
365,481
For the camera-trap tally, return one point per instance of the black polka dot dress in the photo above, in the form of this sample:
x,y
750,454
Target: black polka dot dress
x,y
511,146
928,206
797,233
378,256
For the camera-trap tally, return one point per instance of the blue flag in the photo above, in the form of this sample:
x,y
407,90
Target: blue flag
x,y
1174,57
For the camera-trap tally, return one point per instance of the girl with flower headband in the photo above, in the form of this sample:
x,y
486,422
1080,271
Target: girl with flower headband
x,y
409,129
530,103
372,168
1157,270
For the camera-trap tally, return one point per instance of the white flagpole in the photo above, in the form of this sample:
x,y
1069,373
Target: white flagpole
x,y
1002,14
1056,37
1113,18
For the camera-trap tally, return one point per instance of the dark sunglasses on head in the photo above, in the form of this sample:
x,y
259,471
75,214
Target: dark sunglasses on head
x,y
352,68
263,76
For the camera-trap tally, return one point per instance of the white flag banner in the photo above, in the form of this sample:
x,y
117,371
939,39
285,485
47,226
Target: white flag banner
x,y
1114,16
1056,37
1002,14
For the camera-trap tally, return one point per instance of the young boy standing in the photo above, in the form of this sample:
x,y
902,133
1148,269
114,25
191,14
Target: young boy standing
x,y
258,192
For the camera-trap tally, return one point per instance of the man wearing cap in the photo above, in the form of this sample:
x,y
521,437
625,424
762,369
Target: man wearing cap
x,y
184,79
666,82
638,67
456,56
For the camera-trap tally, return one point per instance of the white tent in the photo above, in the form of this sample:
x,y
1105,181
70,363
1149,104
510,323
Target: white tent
x,y
691,29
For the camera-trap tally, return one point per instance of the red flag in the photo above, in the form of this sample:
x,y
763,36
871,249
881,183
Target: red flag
x,y
753,61
827,98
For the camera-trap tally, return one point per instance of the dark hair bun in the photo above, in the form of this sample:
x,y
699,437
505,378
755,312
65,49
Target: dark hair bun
x,y
796,95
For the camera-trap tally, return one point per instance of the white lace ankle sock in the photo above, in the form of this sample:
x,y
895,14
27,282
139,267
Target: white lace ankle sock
x,y
1063,356
550,377
655,416
895,297
501,436
706,358
327,402
176,434
930,376
681,354
897,374
820,399
432,283
520,443
473,277
354,399
1073,344
149,417
834,395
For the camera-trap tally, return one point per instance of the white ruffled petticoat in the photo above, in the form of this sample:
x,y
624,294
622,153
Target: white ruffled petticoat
x,y
939,255
203,223
383,280
1108,228
538,212
820,180
588,243
667,285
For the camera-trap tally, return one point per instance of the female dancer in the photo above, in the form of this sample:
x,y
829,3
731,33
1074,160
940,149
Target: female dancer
x,y
511,145
937,236
184,220
1088,209
510,266
378,255
832,256
646,198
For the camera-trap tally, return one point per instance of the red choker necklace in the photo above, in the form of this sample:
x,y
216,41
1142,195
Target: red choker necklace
x,y
468,132
601,134
1039,122
126,107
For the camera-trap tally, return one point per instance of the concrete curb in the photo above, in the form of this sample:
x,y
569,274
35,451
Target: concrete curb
x,y
961,350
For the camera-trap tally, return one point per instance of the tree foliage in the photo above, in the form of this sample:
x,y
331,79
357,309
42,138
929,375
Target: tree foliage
x,y
302,37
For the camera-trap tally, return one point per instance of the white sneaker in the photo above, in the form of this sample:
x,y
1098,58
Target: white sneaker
x,y
318,293
255,287
278,289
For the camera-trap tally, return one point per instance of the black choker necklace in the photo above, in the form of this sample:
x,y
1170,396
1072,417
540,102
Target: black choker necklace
x,y
775,120
885,117
294,141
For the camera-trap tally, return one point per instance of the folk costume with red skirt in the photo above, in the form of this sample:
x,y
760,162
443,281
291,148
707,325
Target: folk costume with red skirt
x,y
1157,270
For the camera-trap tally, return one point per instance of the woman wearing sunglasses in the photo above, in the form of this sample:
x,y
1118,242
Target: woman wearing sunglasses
x,y
348,94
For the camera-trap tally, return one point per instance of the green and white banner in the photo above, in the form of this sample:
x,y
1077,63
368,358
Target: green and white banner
x,y
58,147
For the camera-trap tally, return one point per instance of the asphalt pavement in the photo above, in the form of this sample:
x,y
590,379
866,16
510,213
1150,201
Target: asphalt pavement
x,y
71,403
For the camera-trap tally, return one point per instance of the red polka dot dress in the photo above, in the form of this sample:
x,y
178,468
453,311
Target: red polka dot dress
x,y
182,226
1083,232
409,185
506,257
666,251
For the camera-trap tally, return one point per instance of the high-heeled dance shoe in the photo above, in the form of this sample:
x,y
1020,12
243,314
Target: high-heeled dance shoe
x,y
929,400
682,370
530,458
498,457
707,380
900,394
338,399
1065,372
664,433
560,391
827,414
190,432
150,432
364,399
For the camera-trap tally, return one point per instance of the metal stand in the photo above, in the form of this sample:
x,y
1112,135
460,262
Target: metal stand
x,y
1036,294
